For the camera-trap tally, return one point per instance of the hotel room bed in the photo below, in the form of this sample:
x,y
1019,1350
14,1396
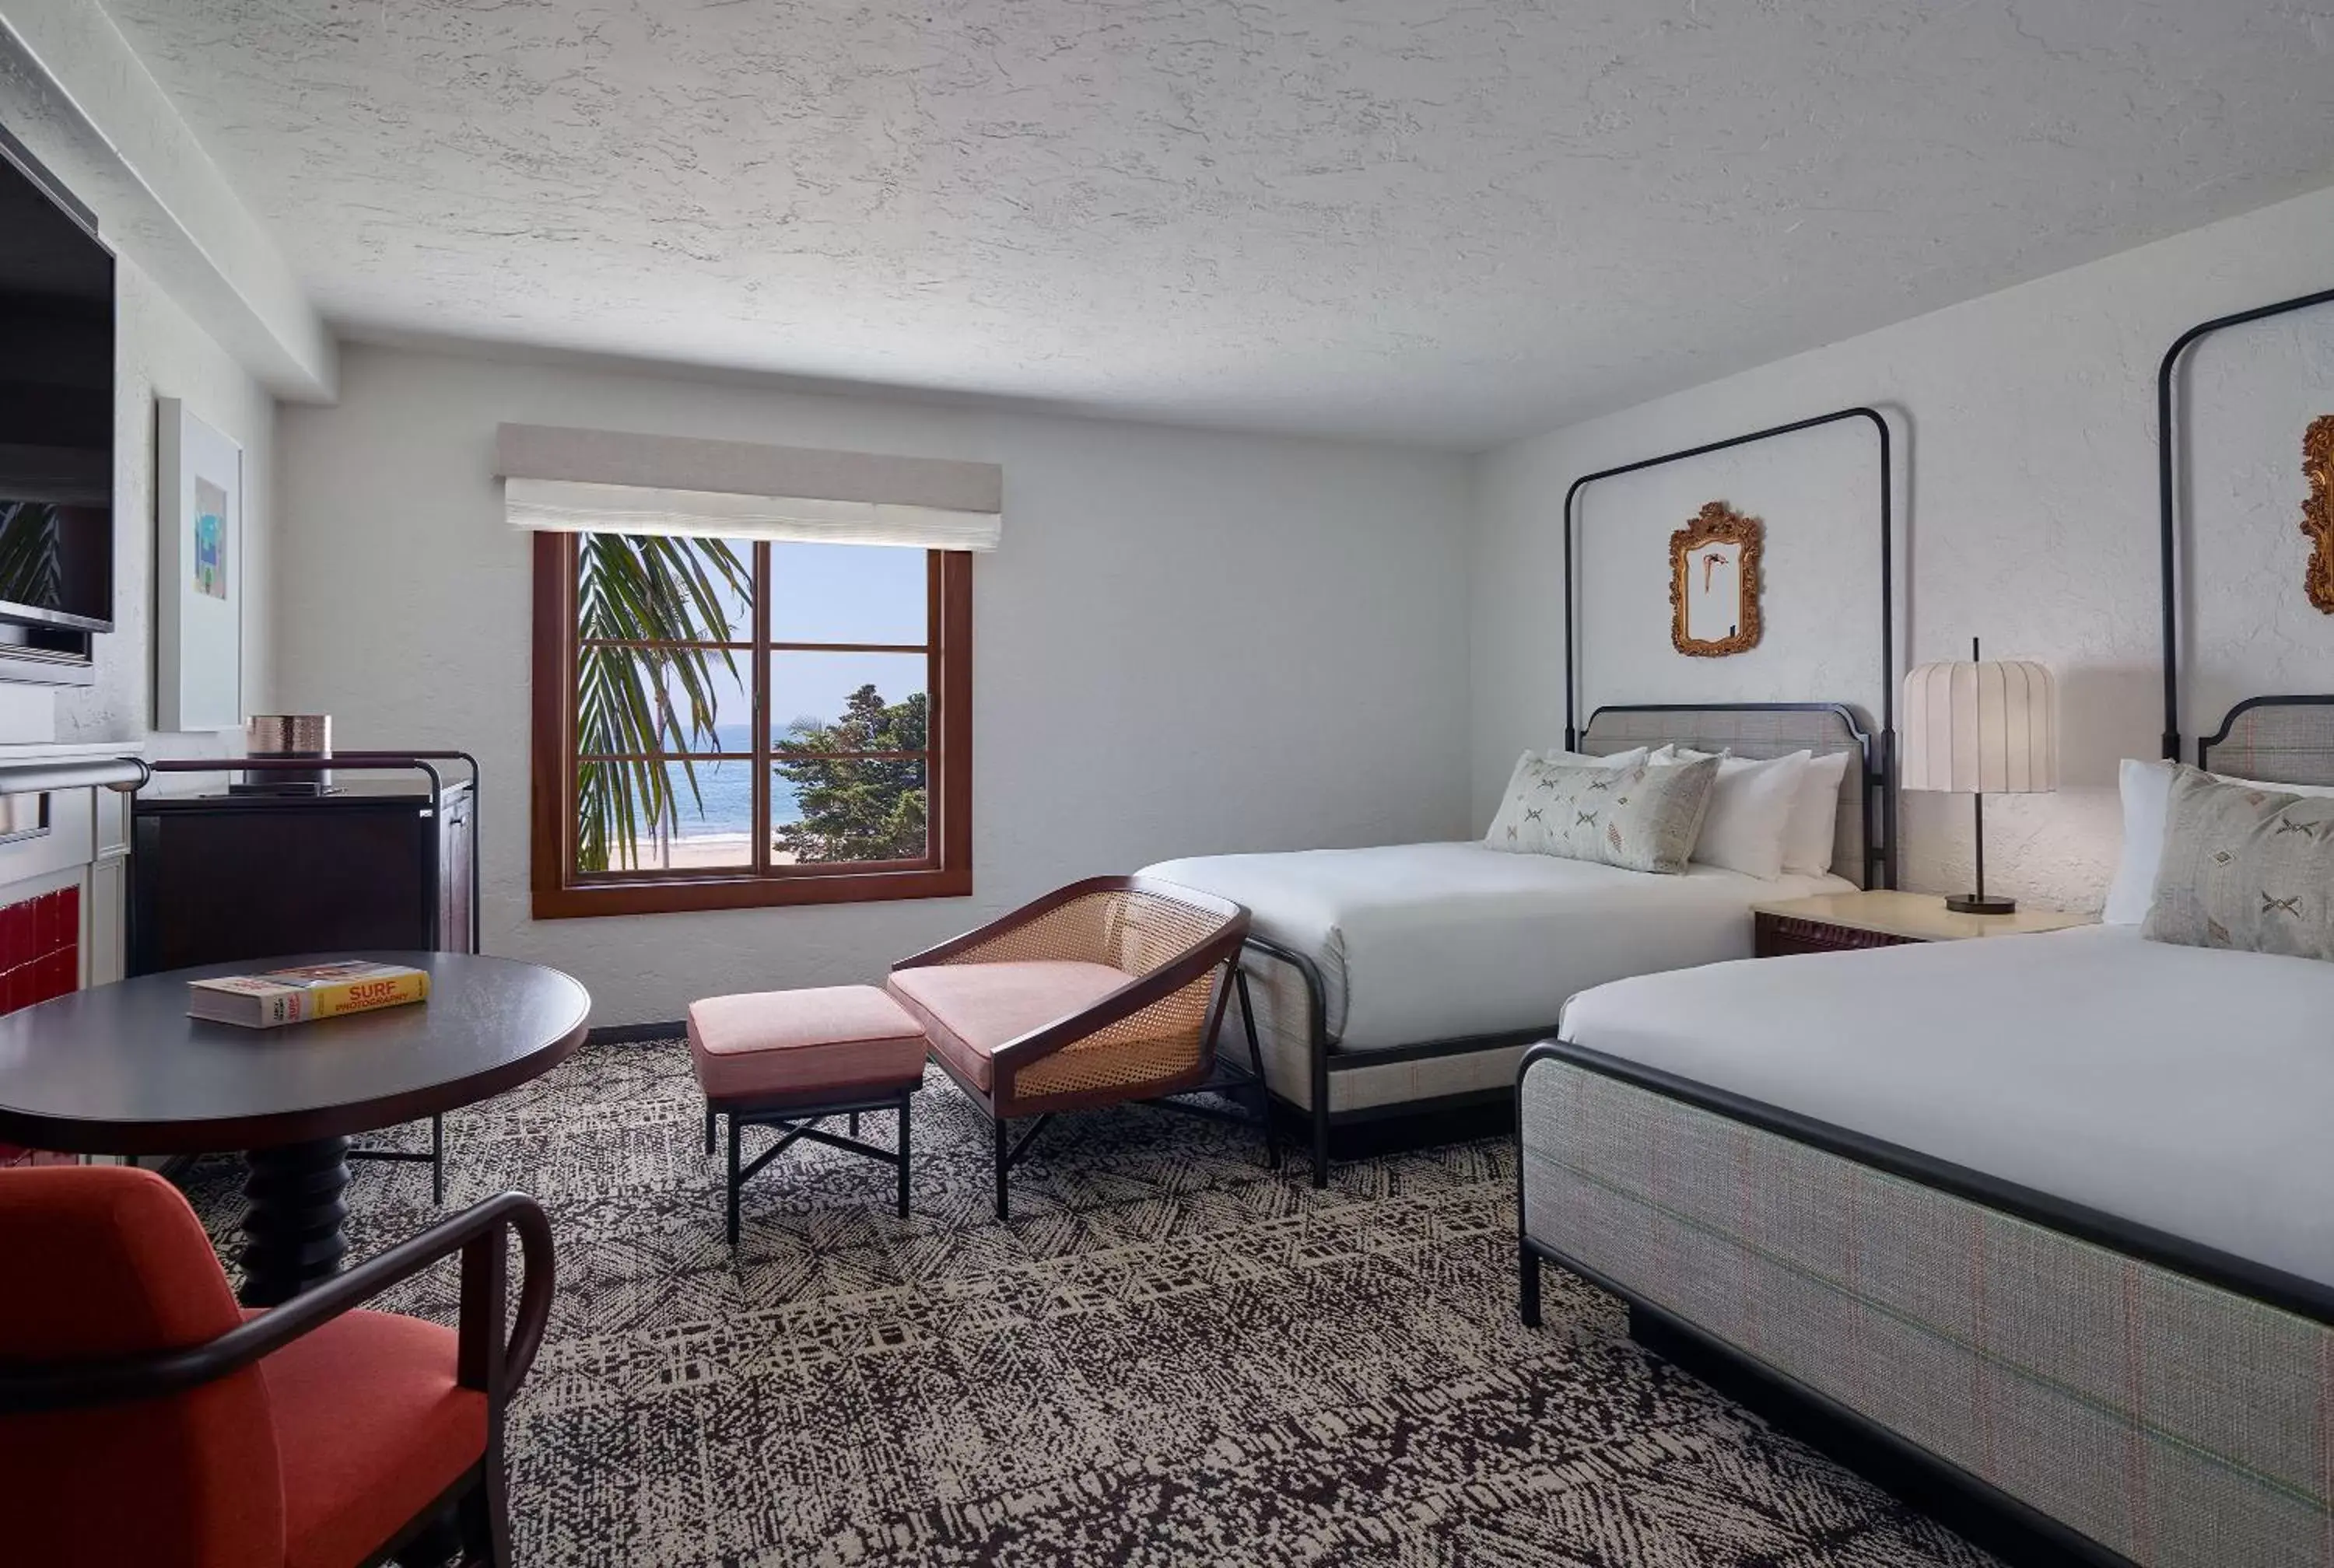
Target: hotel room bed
x,y
2045,1223
1417,940
1410,978
2089,1064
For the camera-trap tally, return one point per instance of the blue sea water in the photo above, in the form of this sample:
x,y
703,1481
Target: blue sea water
x,y
724,802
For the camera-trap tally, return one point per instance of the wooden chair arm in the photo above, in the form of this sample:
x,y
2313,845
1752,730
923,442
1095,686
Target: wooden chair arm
x,y
950,950
942,952
475,1232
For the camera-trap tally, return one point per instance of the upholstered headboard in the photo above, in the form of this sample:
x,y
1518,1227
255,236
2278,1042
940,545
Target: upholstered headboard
x,y
2274,739
1756,729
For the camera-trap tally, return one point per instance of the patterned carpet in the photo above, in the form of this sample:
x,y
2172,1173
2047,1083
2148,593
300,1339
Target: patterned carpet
x,y
1169,1356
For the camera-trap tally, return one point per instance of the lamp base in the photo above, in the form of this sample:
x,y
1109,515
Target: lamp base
x,y
1981,904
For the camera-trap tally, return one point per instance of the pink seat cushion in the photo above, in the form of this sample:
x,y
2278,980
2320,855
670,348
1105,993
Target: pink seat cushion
x,y
772,1044
969,1010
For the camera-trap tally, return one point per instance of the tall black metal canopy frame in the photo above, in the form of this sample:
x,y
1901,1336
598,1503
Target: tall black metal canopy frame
x,y
2167,474
1885,776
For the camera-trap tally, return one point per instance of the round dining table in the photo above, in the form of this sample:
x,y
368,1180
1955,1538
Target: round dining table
x,y
121,1069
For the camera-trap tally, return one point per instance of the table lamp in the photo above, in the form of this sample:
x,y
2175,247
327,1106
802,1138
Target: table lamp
x,y
1980,727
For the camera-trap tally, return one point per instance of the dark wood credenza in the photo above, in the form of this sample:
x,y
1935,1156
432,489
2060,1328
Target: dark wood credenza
x,y
389,861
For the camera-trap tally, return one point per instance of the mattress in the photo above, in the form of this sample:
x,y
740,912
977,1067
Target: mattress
x,y
1419,942
2178,1088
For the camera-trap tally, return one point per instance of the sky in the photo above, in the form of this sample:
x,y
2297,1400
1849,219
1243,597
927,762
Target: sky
x,y
831,593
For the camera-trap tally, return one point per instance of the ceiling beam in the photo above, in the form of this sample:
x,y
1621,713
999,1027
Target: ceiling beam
x,y
81,101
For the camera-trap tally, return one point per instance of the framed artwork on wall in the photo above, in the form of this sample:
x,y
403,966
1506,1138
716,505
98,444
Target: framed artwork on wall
x,y
199,573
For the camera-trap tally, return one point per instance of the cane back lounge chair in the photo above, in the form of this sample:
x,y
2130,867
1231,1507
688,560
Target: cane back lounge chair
x,y
1104,992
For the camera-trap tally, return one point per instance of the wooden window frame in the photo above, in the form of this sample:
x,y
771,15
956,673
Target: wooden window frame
x,y
560,892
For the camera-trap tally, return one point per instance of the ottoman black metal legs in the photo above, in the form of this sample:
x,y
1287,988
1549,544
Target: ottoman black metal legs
x,y
799,1118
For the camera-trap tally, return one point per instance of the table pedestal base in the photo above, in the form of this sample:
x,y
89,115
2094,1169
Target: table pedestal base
x,y
292,1225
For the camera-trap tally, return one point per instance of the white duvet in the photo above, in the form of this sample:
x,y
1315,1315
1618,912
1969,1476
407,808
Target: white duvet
x,y
2175,1087
1420,942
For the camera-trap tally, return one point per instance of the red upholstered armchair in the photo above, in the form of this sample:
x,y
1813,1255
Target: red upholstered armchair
x,y
145,1418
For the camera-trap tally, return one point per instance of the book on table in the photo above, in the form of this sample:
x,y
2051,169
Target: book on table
x,y
295,996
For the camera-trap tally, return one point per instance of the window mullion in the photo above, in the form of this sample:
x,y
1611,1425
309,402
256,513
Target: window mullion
x,y
761,710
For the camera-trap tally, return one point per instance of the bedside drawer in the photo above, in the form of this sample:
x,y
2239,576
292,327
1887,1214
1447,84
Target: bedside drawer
x,y
1780,935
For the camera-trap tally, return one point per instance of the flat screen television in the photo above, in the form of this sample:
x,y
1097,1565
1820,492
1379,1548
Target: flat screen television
x,y
56,408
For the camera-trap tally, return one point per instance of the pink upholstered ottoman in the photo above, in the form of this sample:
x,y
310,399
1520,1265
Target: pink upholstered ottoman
x,y
790,1059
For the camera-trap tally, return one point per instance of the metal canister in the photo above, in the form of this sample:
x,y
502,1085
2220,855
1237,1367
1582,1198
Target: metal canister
x,y
289,736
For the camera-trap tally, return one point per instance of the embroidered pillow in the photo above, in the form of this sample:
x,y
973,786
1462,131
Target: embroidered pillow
x,y
1506,829
2246,867
2147,795
1641,818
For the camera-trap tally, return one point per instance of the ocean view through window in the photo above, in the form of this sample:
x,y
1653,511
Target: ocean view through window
x,y
732,723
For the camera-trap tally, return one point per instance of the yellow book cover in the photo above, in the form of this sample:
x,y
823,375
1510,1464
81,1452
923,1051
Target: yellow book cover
x,y
363,995
298,994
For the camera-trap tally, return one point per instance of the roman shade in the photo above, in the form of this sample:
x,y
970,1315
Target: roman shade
x,y
573,481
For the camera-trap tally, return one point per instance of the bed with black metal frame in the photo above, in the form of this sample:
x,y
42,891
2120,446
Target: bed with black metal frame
x,y
2221,1451
1477,1070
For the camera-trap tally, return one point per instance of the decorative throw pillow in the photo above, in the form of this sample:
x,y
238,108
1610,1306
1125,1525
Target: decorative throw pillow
x,y
2147,789
1508,825
1641,818
2244,867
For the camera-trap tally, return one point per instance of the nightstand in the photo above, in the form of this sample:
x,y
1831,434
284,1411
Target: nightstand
x,y
1844,922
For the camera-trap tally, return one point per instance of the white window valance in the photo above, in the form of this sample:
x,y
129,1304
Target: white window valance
x,y
570,481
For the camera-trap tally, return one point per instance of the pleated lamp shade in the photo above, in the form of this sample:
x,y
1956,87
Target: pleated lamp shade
x,y
1978,727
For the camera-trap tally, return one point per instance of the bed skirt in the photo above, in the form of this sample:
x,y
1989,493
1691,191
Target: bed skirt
x,y
2176,1423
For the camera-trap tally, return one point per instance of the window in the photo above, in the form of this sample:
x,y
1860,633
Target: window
x,y
725,723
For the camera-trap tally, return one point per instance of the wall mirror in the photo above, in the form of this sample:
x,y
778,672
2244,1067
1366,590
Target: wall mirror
x,y
2318,511
1715,583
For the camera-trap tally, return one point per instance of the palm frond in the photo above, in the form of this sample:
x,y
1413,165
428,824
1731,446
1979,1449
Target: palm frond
x,y
654,589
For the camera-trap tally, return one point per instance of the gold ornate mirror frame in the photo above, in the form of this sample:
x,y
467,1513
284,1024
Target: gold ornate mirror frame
x,y
2318,511
1716,523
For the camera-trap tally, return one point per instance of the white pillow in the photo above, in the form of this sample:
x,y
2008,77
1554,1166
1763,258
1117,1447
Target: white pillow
x,y
2147,789
1750,809
1511,802
1812,837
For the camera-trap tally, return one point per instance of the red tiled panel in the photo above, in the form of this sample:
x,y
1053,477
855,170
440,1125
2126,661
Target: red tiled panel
x,y
19,933
57,975
40,958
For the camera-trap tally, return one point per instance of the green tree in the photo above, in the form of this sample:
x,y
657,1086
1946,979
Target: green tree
x,y
632,589
857,808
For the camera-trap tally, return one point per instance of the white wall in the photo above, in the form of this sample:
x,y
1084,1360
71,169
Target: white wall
x,y
1190,642
2029,520
160,352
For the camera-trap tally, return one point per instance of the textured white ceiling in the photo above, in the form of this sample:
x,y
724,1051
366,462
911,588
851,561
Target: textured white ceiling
x,y
1453,222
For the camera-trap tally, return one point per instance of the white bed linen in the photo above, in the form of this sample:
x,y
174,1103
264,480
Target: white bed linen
x,y
2180,1088
1421,942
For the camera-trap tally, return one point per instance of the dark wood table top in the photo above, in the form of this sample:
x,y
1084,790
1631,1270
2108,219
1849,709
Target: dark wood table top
x,y
120,1068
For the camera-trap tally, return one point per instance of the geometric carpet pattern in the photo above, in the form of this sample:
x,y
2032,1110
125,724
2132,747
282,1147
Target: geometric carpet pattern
x,y
1169,1355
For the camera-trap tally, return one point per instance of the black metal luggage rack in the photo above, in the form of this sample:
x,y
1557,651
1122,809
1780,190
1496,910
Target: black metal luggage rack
x,y
424,762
